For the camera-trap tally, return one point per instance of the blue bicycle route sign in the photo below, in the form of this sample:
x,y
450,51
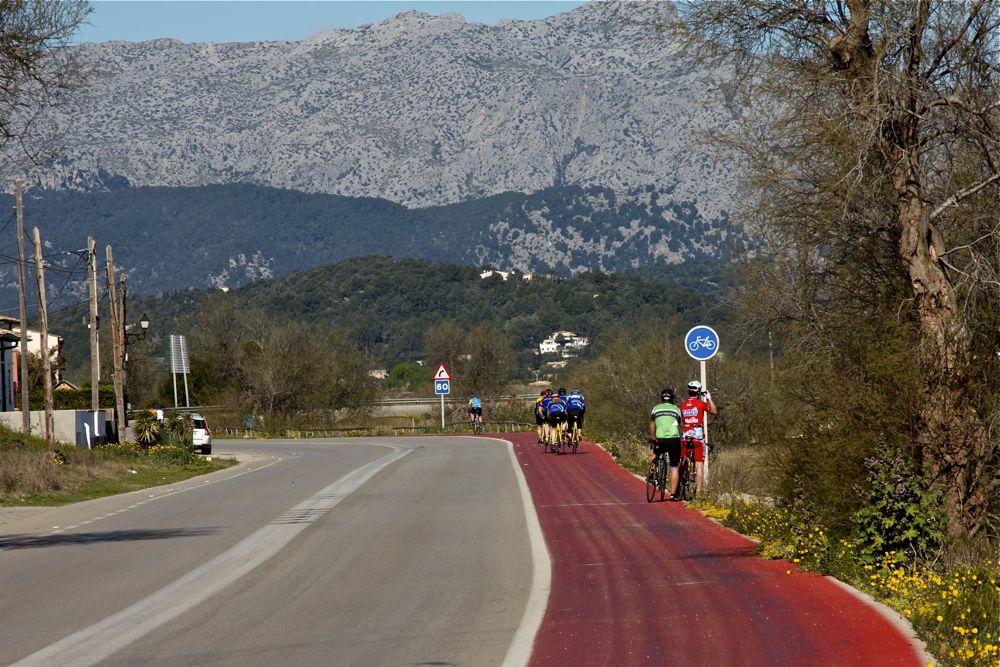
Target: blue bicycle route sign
x,y
701,342
442,387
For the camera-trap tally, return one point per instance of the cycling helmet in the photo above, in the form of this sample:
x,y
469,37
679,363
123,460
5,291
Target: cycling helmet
x,y
694,387
562,391
575,391
667,395
541,393
548,392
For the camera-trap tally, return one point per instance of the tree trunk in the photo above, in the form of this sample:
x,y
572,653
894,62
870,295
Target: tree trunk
x,y
951,437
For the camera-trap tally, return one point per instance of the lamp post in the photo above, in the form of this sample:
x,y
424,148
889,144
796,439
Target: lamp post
x,y
135,335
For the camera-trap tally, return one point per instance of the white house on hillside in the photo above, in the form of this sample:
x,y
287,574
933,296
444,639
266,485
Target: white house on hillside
x,y
562,340
548,346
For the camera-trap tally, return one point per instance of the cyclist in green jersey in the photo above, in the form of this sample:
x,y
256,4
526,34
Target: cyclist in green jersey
x,y
665,434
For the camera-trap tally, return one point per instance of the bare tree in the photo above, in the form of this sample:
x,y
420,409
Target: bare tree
x,y
881,145
37,70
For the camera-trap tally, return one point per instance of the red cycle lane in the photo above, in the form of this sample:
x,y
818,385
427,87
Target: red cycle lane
x,y
637,583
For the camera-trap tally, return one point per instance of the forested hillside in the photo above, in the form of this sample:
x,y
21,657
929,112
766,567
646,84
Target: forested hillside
x,y
387,305
169,239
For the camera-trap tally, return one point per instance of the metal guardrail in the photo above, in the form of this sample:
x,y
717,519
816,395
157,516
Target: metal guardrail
x,y
361,431
447,399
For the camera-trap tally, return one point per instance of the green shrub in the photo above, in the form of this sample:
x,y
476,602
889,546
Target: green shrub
x,y
896,515
172,454
125,449
147,429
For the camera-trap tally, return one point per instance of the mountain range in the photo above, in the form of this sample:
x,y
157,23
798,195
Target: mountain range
x,y
567,144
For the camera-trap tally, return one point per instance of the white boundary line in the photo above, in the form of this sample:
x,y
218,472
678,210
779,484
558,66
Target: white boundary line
x,y
106,637
902,625
521,645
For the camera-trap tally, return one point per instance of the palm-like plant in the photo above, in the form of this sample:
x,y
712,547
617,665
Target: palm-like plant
x,y
147,429
179,425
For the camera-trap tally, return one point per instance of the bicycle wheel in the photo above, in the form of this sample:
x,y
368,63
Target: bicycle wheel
x,y
662,479
684,485
652,479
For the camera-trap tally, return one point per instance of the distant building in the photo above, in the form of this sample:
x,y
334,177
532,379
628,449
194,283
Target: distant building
x,y
10,374
503,275
548,346
562,341
379,374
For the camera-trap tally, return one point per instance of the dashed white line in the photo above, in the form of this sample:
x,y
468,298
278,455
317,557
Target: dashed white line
x,y
101,640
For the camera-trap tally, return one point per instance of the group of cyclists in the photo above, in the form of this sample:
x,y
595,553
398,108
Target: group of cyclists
x,y
675,429
553,409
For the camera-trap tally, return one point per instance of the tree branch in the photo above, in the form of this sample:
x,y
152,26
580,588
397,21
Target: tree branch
x,y
959,196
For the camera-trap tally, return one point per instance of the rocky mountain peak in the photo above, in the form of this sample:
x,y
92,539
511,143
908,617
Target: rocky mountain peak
x,y
417,109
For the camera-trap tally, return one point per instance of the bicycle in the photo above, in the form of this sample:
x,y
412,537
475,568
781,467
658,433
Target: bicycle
x,y
573,439
560,439
656,478
477,423
686,473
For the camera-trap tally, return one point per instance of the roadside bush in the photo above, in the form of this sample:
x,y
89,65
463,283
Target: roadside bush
x,y
125,449
172,454
147,429
896,516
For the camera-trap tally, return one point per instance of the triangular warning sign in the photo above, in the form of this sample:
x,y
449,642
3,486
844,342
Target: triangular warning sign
x,y
441,373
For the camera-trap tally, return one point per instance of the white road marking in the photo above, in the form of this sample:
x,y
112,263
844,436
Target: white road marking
x,y
105,638
519,651
169,492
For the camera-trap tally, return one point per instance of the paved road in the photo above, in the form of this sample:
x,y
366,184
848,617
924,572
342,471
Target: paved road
x,y
315,553
656,584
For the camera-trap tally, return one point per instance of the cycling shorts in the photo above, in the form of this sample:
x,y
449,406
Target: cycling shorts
x,y
671,447
699,449
556,418
476,411
574,417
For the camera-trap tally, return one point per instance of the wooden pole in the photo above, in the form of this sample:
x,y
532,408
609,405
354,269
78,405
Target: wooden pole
x,y
22,354
95,354
116,344
43,340
122,318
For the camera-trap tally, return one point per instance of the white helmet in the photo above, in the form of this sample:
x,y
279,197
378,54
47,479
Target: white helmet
x,y
694,386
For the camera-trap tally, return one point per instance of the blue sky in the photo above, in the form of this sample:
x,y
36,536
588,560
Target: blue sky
x,y
244,20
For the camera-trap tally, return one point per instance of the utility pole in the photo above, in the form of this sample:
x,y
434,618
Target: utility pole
x,y
43,340
95,356
116,343
22,354
95,351
124,350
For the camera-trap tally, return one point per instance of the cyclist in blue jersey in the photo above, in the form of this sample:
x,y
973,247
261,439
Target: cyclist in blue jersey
x,y
576,405
475,409
557,414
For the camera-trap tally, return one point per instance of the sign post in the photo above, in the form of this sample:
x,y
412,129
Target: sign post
x,y
701,343
442,386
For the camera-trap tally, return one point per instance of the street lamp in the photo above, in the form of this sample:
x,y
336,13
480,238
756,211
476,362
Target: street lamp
x,y
135,335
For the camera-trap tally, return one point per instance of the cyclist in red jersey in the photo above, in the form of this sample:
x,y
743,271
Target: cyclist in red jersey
x,y
693,410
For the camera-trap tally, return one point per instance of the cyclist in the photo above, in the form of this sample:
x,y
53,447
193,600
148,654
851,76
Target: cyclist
x,y
665,435
575,407
475,409
557,415
693,410
542,412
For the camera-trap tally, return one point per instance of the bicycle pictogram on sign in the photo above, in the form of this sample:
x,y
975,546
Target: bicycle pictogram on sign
x,y
701,342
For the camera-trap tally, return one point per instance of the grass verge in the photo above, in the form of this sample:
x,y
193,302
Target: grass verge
x,y
29,477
